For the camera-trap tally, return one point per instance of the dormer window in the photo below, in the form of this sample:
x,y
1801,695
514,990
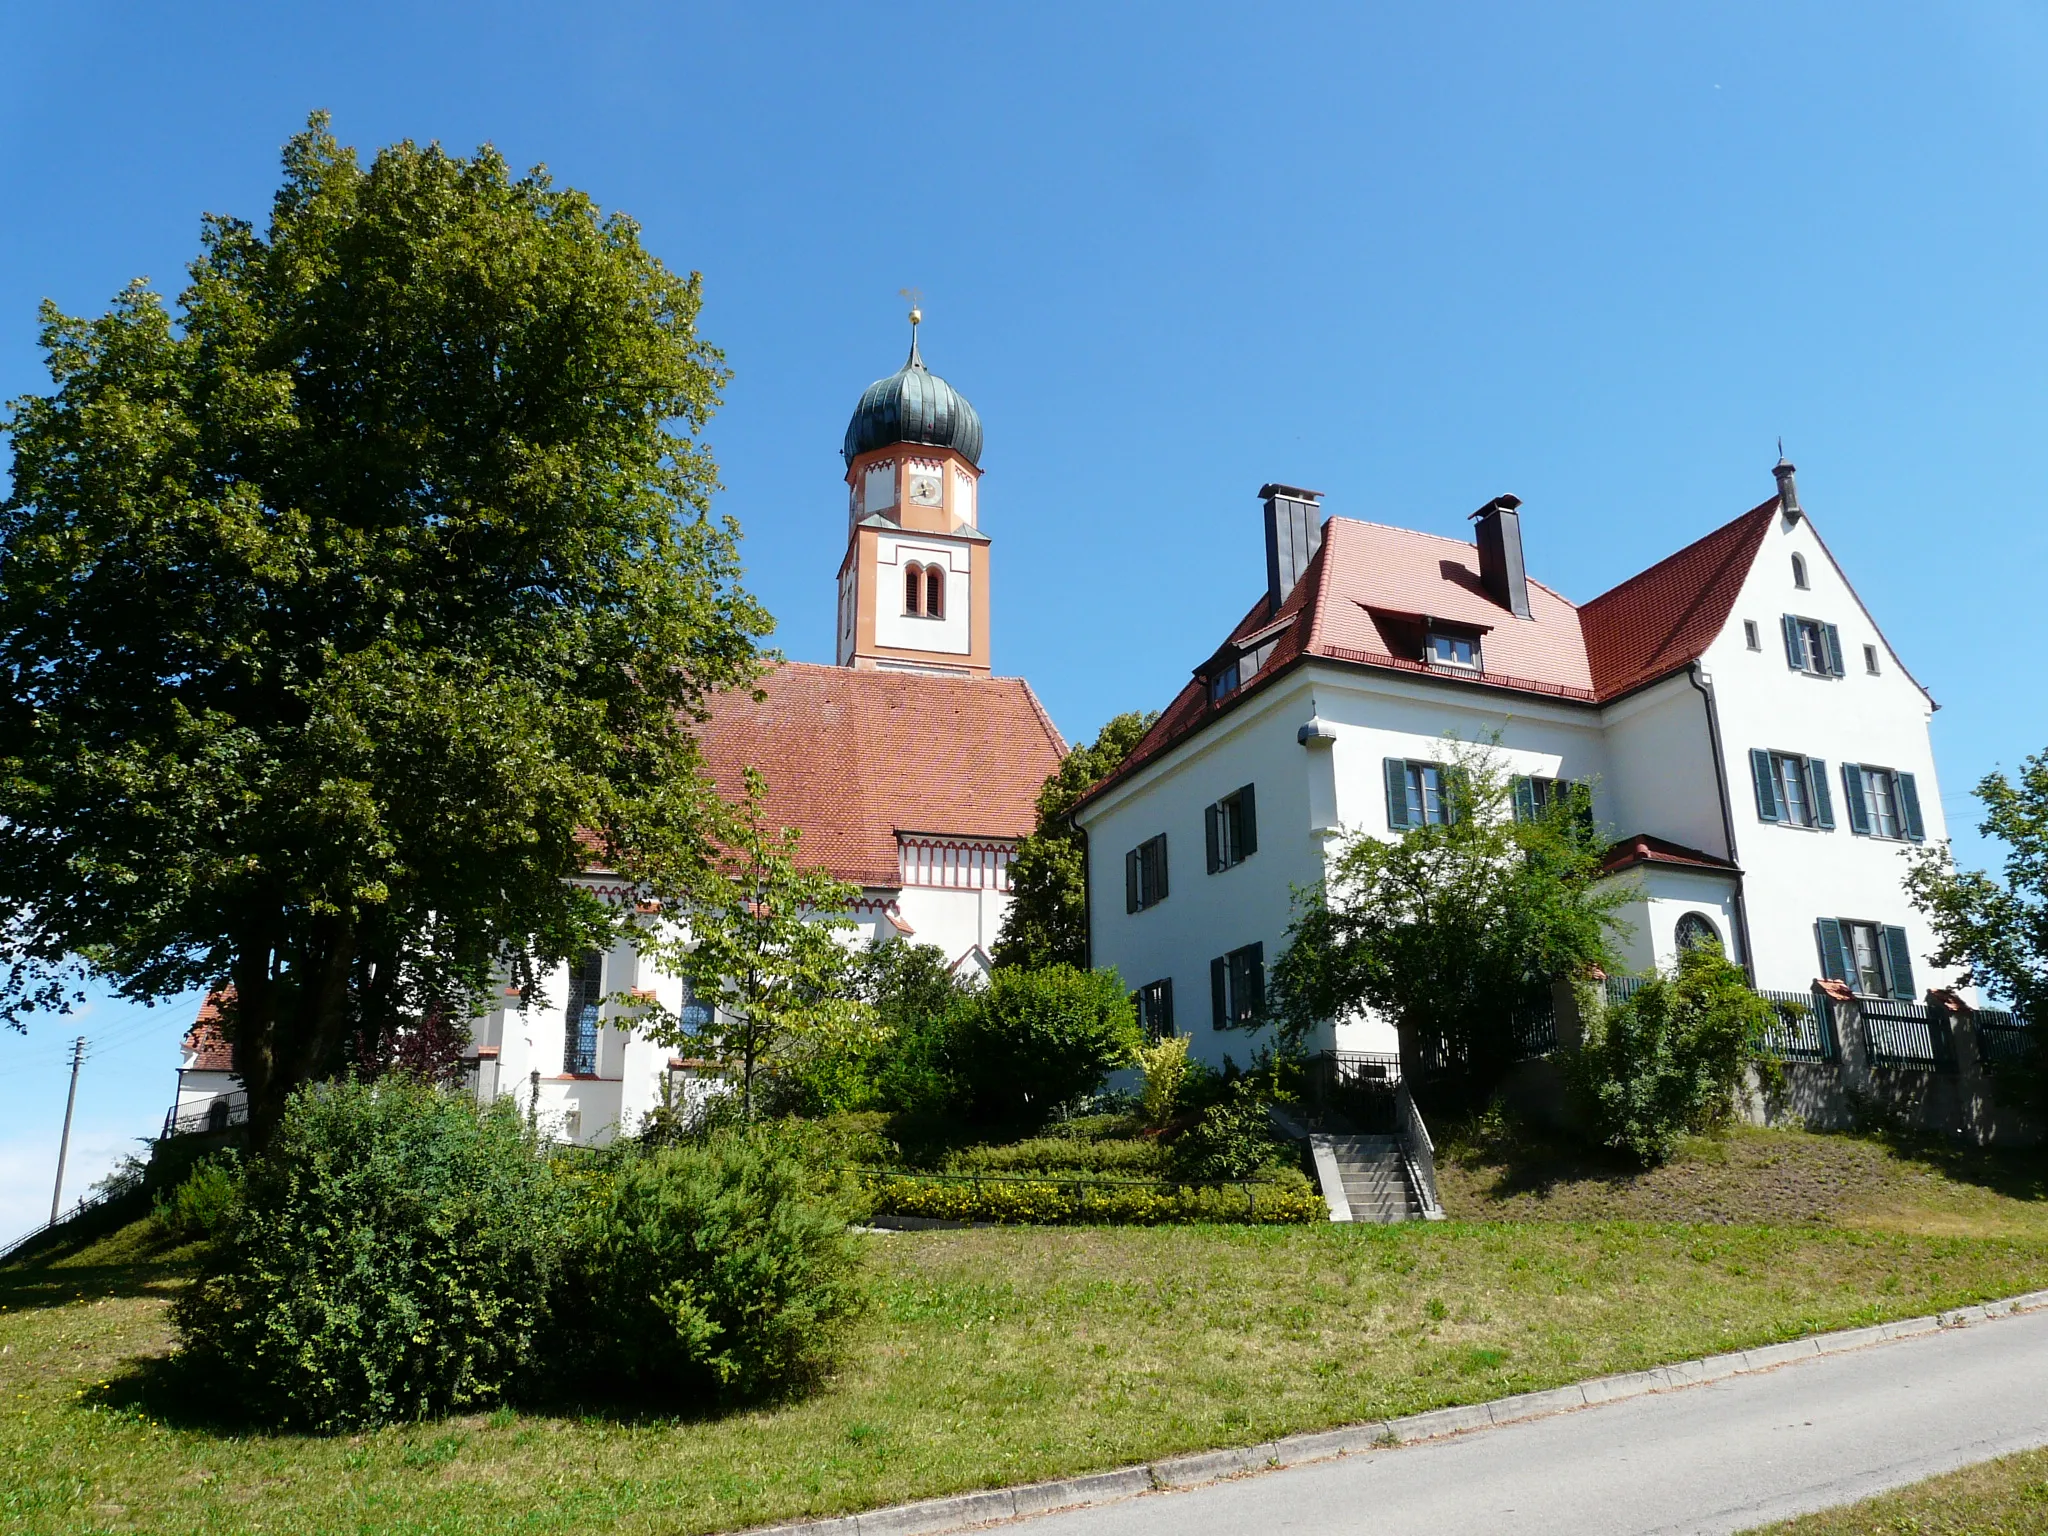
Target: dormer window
x,y
1223,683
1451,650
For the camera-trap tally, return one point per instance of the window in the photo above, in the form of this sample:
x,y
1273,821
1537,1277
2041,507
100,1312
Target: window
x,y
1695,929
1812,647
934,592
1223,684
1154,1002
1870,659
1750,637
1875,960
1799,572
586,995
913,589
1882,802
1145,874
1454,650
696,1014
1418,794
1792,790
1237,986
1233,829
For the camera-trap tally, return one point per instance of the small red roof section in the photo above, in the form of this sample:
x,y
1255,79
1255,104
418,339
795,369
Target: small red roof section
x,y
1644,849
1366,595
208,1046
852,757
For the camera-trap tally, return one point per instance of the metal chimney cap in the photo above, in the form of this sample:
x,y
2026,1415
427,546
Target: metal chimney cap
x,y
1498,504
1295,491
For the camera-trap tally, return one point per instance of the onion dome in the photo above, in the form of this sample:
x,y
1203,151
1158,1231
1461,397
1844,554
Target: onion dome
x,y
913,405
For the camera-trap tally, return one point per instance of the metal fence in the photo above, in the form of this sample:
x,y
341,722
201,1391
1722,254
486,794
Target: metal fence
x,y
1621,988
1803,1032
1359,1085
2004,1040
1898,1035
1535,1025
217,1115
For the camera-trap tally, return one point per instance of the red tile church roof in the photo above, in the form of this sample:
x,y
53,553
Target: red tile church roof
x,y
852,757
209,1047
1364,596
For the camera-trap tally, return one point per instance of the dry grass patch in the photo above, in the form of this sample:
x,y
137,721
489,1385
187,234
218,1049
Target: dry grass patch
x,y
2007,1497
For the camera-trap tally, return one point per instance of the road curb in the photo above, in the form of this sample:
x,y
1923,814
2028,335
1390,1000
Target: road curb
x,y
958,1512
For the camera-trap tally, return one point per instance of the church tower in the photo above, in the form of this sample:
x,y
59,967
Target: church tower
x,y
913,588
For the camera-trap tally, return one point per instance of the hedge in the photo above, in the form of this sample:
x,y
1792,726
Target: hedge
x,y
1047,1202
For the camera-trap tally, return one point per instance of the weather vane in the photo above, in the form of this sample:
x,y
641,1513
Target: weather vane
x,y
916,297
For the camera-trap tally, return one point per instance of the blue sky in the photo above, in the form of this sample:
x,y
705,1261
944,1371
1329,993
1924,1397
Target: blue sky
x,y
1599,256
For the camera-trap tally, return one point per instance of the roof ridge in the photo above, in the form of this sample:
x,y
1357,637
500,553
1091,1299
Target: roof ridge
x,y
1651,569
1059,742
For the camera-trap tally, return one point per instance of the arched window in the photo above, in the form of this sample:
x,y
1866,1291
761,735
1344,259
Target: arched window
x,y
934,592
1799,572
913,589
1695,929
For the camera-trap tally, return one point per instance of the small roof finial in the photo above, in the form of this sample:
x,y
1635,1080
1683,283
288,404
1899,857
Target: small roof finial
x,y
916,297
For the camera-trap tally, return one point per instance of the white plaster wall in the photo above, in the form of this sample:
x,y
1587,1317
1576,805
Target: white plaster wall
x,y
956,920
878,488
951,634
963,497
1795,876
1660,777
1662,896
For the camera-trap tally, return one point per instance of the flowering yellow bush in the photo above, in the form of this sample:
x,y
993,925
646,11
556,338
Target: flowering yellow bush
x,y
1047,1202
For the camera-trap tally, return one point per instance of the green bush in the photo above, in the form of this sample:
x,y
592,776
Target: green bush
x,y
1281,1196
390,1259
203,1202
1165,1065
1065,1154
1234,1139
1032,1042
1669,1059
708,1273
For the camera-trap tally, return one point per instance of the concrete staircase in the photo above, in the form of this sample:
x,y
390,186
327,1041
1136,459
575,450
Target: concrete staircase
x,y
1365,1178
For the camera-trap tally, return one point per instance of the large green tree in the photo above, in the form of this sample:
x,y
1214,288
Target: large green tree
x,y
1450,929
350,609
1047,923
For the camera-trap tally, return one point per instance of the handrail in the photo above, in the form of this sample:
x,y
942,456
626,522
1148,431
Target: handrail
x,y
1418,1152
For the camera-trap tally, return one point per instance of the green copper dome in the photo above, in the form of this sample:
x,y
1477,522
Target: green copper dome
x,y
913,405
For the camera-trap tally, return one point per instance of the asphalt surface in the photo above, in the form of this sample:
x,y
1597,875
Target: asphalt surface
x,y
1717,1458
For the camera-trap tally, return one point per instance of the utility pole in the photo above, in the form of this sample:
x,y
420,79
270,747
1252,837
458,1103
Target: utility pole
x,y
64,1146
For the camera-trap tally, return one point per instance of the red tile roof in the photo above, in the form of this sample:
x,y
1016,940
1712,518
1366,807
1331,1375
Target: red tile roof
x,y
852,757
1364,596
1645,849
209,1047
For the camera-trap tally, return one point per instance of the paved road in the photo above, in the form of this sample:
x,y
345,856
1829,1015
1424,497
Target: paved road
x,y
1707,1459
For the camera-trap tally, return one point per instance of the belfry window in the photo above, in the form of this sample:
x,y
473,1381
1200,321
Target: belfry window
x,y
913,589
934,592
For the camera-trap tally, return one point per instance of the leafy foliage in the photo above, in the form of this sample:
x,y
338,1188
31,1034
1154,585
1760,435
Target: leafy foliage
x,y
390,1259
760,942
1034,1041
1047,923
1165,1065
1669,1059
709,1273
203,1203
1136,1159
1997,930
915,995
337,611
1234,1139
1444,930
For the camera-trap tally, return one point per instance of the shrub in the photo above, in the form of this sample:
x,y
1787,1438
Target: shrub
x,y
709,1272
1669,1059
1283,1197
1234,1139
1063,1154
203,1203
1165,1065
389,1259
1032,1042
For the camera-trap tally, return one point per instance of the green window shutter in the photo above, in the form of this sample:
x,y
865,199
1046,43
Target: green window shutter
x,y
1159,850
1247,822
1211,817
1795,650
1397,795
1852,794
1909,807
1833,637
1823,802
1131,881
1899,955
1834,961
1254,1003
1219,991
1767,808
1525,798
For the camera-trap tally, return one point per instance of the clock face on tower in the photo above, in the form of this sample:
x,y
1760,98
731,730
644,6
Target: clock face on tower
x,y
924,490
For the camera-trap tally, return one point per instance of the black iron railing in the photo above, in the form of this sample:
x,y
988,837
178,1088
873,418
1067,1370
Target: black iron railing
x,y
217,1115
1803,1031
2005,1040
1897,1035
1359,1085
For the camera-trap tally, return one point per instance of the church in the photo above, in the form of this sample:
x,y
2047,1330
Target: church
x,y
909,768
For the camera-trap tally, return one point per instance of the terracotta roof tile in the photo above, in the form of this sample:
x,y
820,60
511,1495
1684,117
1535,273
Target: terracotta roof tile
x,y
209,1047
852,757
1645,849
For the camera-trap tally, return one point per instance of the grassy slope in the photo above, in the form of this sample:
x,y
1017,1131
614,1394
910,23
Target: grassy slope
x,y
2008,1497
1002,1355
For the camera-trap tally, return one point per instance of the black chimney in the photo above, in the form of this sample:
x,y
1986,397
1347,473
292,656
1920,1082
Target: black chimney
x,y
1788,489
1500,554
1294,532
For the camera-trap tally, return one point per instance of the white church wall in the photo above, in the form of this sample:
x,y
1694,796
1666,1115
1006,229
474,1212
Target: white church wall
x,y
951,634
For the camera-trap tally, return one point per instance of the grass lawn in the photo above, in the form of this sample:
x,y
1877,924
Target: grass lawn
x,y
2007,1497
1003,1355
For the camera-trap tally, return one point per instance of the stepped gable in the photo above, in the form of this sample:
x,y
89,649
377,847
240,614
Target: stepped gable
x,y
853,756
1665,617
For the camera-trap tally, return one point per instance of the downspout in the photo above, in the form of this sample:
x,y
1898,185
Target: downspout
x,y
1706,690
1087,899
